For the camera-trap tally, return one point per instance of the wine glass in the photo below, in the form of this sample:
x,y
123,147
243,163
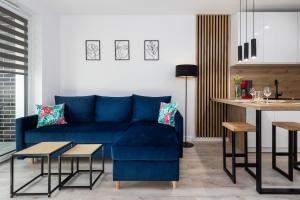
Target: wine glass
x,y
251,92
267,93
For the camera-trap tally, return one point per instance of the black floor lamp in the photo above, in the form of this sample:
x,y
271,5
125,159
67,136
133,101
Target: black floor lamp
x,y
186,71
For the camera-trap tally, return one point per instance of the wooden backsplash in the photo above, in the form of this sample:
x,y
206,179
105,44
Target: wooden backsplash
x,y
263,75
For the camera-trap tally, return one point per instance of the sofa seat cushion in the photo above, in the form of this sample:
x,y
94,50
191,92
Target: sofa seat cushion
x,y
147,141
88,132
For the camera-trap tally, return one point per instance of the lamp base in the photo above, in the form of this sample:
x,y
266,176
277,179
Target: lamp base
x,y
187,145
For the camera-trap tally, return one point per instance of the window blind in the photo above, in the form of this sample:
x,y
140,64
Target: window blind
x,y
13,42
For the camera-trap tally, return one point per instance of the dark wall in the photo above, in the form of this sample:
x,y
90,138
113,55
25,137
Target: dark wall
x,y
7,107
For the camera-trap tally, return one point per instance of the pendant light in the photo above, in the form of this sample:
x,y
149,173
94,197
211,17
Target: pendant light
x,y
240,47
253,40
246,44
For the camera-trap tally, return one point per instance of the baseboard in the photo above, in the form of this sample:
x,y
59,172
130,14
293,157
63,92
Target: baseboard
x,y
207,139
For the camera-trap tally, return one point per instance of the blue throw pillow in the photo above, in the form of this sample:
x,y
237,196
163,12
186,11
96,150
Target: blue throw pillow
x,y
113,109
78,108
147,108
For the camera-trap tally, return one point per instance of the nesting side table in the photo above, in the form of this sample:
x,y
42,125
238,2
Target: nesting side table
x,y
76,152
41,150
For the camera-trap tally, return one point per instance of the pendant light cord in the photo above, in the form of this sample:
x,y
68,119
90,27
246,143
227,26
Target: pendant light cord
x,y
240,22
253,17
246,21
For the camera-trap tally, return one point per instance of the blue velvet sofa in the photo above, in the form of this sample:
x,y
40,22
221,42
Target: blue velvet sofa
x,y
141,148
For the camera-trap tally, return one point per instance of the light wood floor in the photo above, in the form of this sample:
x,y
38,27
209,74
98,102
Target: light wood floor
x,y
202,178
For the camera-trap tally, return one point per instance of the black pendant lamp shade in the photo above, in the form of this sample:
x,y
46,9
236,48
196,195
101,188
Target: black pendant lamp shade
x,y
246,51
240,53
253,48
186,70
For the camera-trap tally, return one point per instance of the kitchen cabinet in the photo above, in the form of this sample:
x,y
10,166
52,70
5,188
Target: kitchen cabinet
x,y
298,59
277,35
280,37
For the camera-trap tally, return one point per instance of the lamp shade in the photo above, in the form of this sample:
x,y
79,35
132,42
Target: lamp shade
x,y
186,70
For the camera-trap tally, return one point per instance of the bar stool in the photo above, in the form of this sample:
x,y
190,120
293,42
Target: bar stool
x,y
237,128
293,128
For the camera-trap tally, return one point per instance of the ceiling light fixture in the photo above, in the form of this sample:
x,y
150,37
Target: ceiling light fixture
x,y
246,44
240,47
253,40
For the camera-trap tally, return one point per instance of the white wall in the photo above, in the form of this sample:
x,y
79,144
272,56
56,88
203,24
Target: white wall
x,y
177,36
44,62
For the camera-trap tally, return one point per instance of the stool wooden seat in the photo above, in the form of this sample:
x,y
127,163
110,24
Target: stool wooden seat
x,y
292,154
237,128
291,126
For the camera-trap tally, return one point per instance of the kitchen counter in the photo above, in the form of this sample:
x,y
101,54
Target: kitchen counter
x,y
288,105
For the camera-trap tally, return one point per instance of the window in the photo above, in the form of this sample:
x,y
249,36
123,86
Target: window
x,y
13,75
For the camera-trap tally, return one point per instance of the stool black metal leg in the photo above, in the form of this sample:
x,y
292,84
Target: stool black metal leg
x,y
224,148
246,149
273,147
291,155
296,150
233,158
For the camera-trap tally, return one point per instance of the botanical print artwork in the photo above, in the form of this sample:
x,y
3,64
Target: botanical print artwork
x,y
92,48
50,115
151,50
122,50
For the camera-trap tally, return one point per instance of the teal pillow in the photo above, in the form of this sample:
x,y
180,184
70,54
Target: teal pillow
x,y
50,115
167,113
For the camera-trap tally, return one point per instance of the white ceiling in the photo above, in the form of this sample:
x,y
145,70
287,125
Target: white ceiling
x,y
152,6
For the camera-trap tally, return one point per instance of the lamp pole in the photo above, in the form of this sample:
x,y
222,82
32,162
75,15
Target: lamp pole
x,y
186,144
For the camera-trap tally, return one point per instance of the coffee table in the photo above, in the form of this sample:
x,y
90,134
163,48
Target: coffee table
x,y
81,151
42,150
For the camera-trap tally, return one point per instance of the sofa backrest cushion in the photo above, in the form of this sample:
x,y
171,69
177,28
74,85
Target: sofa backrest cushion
x,y
113,109
147,108
78,108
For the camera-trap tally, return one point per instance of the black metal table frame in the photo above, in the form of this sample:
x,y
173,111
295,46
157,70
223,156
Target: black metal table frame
x,y
259,188
72,174
49,174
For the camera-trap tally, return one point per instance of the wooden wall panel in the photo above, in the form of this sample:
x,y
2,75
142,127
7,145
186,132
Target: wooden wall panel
x,y
213,32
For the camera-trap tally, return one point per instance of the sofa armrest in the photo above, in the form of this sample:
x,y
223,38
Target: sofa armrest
x,y
179,131
24,124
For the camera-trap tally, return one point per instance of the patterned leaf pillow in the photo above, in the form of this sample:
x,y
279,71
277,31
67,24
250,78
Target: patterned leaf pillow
x,y
50,115
167,113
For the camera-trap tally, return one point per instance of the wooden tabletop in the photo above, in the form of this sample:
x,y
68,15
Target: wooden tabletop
x,y
82,150
43,148
286,106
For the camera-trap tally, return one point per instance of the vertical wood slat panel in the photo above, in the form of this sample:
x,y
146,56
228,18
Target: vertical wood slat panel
x,y
213,73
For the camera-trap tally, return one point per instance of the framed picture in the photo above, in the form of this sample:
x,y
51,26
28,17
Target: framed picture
x,y
151,50
92,50
122,51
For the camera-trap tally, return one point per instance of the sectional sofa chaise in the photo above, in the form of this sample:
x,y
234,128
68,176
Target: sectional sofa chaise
x,y
140,147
